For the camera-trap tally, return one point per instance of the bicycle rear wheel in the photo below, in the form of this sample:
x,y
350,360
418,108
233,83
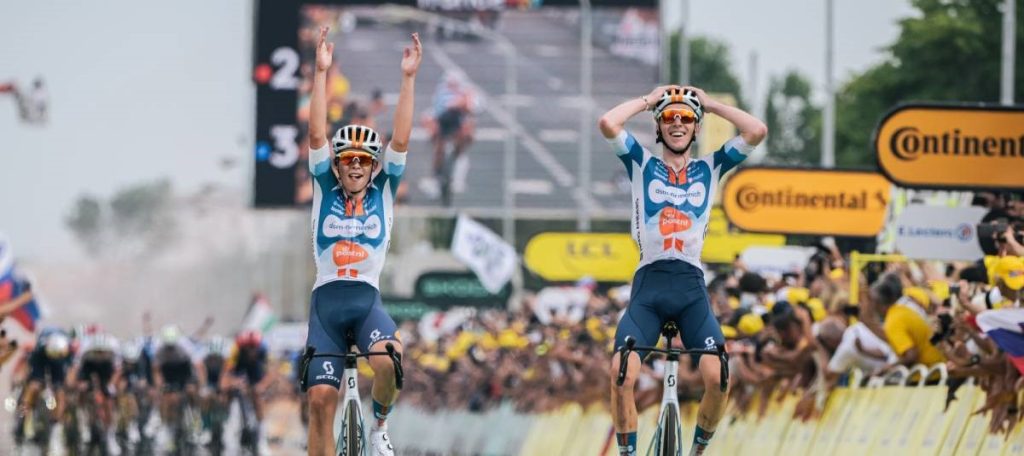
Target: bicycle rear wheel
x,y
351,441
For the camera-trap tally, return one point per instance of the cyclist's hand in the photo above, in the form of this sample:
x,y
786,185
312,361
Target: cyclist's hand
x,y
655,94
705,100
411,56
324,51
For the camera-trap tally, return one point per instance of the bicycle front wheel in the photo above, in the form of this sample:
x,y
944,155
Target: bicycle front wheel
x,y
351,441
669,433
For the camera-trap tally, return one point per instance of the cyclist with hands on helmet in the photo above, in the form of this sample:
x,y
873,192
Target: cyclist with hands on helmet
x,y
672,197
351,218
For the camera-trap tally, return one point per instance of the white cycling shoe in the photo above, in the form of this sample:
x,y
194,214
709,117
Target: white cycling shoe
x,y
380,443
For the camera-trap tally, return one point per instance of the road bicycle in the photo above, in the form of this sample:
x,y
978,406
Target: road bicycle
x,y
352,437
669,435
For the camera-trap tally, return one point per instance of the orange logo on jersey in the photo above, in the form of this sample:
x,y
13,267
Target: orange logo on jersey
x,y
348,252
673,221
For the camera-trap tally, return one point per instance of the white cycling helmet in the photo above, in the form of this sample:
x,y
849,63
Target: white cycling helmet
x,y
132,351
170,335
685,96
357,137
57,346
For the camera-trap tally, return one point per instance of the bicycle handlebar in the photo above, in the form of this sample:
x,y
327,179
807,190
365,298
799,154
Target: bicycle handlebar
x,y
719,351
396,360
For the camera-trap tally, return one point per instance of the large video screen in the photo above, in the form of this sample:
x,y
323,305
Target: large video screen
x,y
465,120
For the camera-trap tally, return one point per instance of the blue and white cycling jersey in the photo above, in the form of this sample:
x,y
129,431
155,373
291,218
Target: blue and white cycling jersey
x,y
351,237
671,209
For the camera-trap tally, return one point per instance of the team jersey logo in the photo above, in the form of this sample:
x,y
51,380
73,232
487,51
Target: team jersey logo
x,y
673,221
351,227
659,193
348,252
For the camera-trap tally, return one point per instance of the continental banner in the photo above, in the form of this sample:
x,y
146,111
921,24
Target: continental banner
x,y
953,147
807,201
560,257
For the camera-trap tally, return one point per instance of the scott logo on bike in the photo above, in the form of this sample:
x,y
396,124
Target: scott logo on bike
x,y
352,383
671,381
328,368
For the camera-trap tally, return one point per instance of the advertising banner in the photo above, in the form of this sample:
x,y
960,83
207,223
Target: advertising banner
x,y
953,147
807,201
939,233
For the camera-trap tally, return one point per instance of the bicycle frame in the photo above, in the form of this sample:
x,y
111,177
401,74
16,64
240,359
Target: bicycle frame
x,y
670,396
351,399
669,402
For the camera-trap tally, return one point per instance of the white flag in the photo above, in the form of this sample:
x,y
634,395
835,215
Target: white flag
x,y
491,258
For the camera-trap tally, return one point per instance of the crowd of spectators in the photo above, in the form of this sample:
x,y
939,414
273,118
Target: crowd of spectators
x,y
791,333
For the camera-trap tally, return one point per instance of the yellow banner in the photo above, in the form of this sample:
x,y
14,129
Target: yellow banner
x,y
610,257
807,201
722,246
956,147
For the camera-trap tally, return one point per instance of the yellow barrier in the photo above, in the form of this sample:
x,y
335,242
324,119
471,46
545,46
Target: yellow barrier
x,y
876,420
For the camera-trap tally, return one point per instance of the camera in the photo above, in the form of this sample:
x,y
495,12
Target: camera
x,y
991,234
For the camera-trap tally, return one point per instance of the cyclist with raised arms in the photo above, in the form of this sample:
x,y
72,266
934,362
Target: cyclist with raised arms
x,y
672,195
351,220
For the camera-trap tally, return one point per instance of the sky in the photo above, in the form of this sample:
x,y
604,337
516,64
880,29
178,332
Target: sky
x,y
141,90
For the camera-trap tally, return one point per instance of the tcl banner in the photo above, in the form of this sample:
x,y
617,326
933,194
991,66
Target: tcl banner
x,y
954,147
606,257
807,201
939,233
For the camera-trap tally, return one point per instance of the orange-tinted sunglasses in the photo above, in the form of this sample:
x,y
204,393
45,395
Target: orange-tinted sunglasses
x,y
349,157
685,116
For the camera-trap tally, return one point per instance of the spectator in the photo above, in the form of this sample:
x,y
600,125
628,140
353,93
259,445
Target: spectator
x,y
905,326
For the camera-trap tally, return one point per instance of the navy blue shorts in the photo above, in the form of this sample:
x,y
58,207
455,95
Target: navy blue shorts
x,y
670,290
343,313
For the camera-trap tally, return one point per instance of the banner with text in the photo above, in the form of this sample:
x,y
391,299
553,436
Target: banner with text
x,y
807,201
939,233
560,257
954,147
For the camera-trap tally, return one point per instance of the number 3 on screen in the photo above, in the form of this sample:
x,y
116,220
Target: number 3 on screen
x,y
286,150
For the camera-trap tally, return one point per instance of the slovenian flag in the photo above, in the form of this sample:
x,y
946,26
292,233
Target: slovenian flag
x,y
13,285
1006,328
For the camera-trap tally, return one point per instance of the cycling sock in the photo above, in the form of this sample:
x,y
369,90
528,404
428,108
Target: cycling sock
x,y
627,443
380,412
701,440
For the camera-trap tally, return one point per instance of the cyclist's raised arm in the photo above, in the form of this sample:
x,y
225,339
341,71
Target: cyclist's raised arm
x,y
411,57
752,130
318,100
613,121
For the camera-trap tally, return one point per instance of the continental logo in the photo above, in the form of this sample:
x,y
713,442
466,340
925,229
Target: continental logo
x,y
807,201
750,197
952,147
909,143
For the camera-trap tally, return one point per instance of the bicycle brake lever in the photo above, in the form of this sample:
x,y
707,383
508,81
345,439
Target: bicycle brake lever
x,y
723,359
624,359
396,359
307,356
